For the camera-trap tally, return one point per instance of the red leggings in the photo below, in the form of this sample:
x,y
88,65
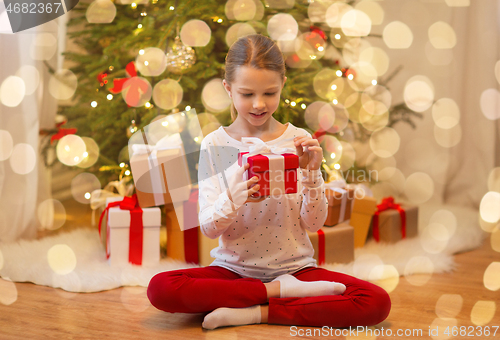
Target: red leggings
x,y
198,290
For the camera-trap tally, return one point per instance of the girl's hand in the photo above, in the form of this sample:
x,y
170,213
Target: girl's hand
x,y
239,191
311,157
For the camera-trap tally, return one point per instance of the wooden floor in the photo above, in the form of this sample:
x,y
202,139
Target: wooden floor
x,y
125,313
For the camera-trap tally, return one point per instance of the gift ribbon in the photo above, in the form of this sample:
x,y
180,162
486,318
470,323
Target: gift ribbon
x,y
98,197
136,227
256,146
190,231
321,247
386,204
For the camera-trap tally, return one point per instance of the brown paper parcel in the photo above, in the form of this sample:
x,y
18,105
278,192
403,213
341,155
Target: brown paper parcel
x,y
339,243
361,217
336,212
151,180
390,224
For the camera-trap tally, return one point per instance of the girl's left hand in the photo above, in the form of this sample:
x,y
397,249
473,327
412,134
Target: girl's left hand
x,y
311,157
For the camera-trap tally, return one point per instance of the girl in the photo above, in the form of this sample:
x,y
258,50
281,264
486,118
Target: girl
x,y
264,270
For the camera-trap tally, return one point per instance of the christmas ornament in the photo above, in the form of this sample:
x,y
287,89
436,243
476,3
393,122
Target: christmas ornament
x,y
131,129
180,57
101,78
136,91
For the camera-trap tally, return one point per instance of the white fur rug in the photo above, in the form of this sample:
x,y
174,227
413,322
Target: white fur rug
x,y
28,261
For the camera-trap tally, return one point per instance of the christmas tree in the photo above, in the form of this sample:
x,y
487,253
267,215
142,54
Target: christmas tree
x,y
145,59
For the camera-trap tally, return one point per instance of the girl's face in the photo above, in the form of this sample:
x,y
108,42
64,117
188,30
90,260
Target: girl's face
x,y
255,93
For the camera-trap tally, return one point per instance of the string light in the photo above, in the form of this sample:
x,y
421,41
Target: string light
x,y
374,82
93,104
139,26
141,52
171,8
148,104
334,87
339,73
87,195
303,106
293,103
335,101
287,101
333,155
127,173
350,77
133,5
220,21
122,165
336,166
109,96
188,108
337,36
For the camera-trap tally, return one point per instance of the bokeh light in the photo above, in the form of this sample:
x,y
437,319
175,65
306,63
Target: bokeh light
x,y
442,35
448,138
495,239
62,259
70,150
282,26
51,214
316,10
488,208
385,276
31,77
280,4
377,57
353,49
82,184
394,177
319,115
23,159
214,96
490,102
135,299
418,270
137,91
419,93
482,312
244,10
325,85
493,177
434,238
63,84
491,276
419,187
415,13
438,57
449,305
348,156
446,113
376,163
6,145
365,263
152,62
195,33
167,94
371,8
12,91
101,12
208,123
445,218
43,46
332,147
8,292
237,31
311,46
91,155
441,324
385,142
397,35
356,23
335,12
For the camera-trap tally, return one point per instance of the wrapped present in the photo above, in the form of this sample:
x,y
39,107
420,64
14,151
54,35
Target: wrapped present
x,y
133,233
339,202
333,245
393,222
159,158
362,212
186,243
276,167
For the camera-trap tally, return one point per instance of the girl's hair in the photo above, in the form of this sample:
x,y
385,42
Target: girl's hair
x,y
254,50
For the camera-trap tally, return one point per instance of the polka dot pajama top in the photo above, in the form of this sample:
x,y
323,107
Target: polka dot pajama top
x,y
260,240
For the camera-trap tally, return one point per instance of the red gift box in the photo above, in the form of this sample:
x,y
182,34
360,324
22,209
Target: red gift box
x,y
272,182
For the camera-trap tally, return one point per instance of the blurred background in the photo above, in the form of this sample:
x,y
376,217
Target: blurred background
x,y
402,95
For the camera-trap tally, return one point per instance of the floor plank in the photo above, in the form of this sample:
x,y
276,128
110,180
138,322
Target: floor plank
x,y
125,313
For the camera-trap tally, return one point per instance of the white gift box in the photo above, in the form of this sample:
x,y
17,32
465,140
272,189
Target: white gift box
x,y
118,234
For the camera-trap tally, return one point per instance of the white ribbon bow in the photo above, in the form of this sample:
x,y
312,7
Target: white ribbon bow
x,y
258,146
98,197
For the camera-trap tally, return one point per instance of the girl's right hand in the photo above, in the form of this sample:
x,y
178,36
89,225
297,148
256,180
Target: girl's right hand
x,y
239,191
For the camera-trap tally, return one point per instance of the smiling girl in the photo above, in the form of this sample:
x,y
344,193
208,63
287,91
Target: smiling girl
x,y
264,270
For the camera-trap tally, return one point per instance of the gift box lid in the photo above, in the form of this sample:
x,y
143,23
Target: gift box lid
x,y
118,218
261,162
335,198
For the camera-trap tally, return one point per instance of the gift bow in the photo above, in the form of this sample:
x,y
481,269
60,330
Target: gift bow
x,y
386,204
61,132
257,146
136,227
98,197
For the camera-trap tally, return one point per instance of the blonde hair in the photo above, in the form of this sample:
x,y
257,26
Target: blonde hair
x,y
254,50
